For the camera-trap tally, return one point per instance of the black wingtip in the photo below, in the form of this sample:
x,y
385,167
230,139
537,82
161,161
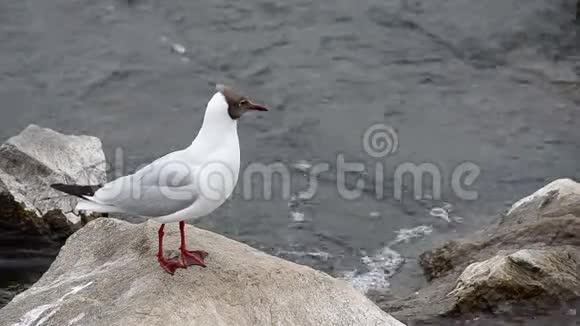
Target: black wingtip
x,y
56,185
76,190
59,186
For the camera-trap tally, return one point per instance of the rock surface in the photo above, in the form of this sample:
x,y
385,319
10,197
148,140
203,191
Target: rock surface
x,y
529,259
525,274
29,163
107,274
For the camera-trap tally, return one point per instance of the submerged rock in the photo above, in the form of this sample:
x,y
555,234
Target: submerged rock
x,y
107,274
29,163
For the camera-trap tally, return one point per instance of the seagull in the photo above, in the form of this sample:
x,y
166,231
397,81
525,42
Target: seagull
x,y
182,185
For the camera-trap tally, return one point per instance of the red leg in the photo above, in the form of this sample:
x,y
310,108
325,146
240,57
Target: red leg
x,y
168,264
190,257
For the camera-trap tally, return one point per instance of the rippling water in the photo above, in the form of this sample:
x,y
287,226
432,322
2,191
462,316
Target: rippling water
x,y
488,82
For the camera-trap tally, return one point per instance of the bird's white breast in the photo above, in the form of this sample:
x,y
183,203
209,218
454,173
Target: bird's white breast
x,y
215,174
218,175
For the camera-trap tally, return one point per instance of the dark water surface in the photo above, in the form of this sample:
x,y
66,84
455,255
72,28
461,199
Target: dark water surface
x,y
489,82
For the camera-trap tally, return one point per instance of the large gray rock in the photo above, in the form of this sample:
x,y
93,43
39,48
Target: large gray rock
x,y
36,158
528,261
107,275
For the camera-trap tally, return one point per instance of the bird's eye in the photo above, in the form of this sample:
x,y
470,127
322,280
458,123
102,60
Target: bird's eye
x,y
243,102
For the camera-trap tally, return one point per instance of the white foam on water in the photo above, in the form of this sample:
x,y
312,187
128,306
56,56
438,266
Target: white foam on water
x,y
457,219
178,48
385,263
441,213
381,266
302,165
406,235
297,217
306,195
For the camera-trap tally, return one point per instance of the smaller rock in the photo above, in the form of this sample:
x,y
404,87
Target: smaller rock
x,y
523,275
558,198
33,160
438,262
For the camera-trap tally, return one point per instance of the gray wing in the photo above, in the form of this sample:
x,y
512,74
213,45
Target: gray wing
x,y
169,170
153,201
161,188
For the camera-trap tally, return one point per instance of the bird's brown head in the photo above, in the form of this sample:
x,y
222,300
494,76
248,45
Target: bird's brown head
x,y
237,103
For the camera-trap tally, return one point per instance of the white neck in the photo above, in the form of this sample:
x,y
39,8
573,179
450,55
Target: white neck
x,y
217,123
